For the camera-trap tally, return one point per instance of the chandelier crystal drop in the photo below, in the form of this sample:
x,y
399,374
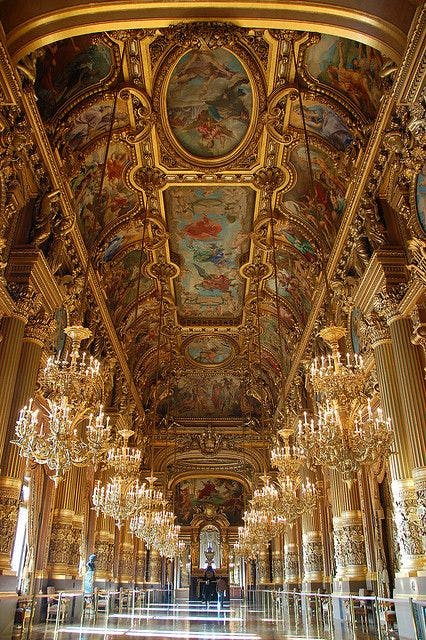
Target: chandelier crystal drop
x,y
346,433
53,438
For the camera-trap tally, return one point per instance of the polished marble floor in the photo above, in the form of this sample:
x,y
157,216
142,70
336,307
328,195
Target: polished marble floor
x,y
193,621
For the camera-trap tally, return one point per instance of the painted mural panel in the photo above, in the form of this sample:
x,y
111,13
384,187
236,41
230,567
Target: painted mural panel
x,y
121,280
209,350
421,198
209,102
95,121
323,121
116,199
210,229
193,495
68,67
212,396
295,284
323,205
350,67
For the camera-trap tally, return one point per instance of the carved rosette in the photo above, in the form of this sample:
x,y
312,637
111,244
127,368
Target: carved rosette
x,y
9,506
291,563
312,556
407,523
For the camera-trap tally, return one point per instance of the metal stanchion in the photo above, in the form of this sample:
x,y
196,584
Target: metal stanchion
x,y
352,616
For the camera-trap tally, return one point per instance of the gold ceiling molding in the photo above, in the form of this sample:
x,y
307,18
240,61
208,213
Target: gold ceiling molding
x,y
28,28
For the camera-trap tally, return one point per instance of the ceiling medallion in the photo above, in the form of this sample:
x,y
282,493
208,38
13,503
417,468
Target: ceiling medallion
x,y
209,350
209,95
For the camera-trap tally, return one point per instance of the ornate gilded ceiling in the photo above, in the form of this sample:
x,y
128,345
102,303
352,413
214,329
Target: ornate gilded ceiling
x,y
191,151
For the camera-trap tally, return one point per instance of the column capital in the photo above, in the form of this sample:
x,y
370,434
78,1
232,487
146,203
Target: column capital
x,y
387,302
376,330
40,326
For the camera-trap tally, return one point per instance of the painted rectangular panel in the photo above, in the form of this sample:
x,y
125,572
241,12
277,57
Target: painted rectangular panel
x,y
210,235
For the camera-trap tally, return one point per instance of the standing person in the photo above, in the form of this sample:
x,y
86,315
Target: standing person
x,y
221,591
209,577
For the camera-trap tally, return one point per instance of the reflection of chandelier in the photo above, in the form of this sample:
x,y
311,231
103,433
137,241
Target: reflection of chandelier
x,y
346,434
53,439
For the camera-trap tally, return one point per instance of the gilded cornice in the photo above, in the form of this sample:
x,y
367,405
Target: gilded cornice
x,y
27,28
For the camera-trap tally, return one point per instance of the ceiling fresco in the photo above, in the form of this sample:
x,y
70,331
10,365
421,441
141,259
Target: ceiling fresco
x,y
209,102
209,230
194,495
177,144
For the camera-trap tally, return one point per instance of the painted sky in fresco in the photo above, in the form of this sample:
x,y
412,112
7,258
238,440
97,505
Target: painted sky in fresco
x,y
209,102
210,229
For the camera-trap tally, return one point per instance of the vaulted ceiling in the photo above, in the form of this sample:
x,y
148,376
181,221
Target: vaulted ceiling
x,y
208,166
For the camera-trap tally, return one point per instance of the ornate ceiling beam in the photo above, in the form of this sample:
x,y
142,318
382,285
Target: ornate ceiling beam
x,y
29,26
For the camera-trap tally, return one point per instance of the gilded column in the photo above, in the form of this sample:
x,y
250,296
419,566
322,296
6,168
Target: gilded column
x,y
64,547
263,566
401,462
104,548
313,565
412,392
277,560
10,351
154,567
291,558
127,558
140,563
352,535
12,464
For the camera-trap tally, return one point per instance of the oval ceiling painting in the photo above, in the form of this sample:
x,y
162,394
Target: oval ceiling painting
x,y
209,103
208,350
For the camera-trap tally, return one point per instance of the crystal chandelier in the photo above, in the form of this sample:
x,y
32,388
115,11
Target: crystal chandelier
x,y
53,439
122,495
156,527
346,434
295,498
58,438
73,373
286,457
